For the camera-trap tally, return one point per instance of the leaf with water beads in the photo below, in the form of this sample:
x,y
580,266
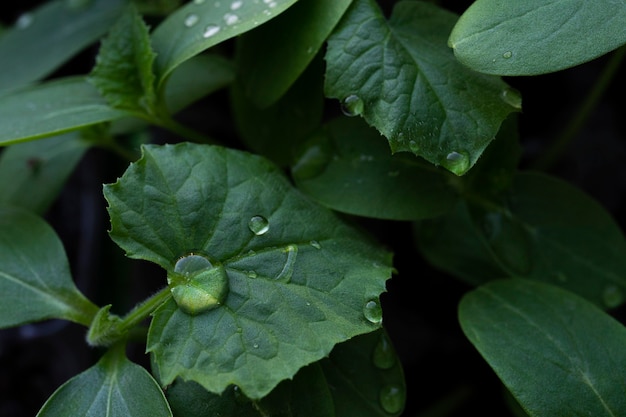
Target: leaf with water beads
x,y
299,279
400,76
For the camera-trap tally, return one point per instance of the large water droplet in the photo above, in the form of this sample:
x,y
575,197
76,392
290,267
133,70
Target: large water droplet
x,y
287,271
512,98
383,355
612,296
259,225
457,162
191,264
231,18
235,5
352,105
191,20
373,312
509,242
210,30
196,285
507,55
24,21
392,398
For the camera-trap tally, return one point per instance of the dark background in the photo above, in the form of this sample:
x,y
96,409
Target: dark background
x,y
441,366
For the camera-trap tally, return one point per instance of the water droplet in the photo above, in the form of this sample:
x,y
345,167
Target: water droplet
x,y
285,274
24,21
457,162
414,147
191,20
315,244
352,105
236,4
191,264
612,296
251,274
507,55
196,285
231,18
373,312
259,225
199,1
383,356
509,242
392,398
270,3
512,98
256,345
210,30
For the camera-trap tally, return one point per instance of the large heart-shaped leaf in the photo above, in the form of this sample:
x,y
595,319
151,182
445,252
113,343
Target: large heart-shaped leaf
x,y
299,279
35,280
557,353
512,37
400,75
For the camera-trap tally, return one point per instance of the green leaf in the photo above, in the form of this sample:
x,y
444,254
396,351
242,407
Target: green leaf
x,y
281,252
123,71
52,108
532,37
349,383
543,229
114,387
403,79
200,25
348,168
293,39
36,46
278,130
558,354
33,173
35,279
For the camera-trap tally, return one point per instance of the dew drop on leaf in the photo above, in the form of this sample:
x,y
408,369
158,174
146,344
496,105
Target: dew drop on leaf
x,y
512,98
259,225
352,105
612,296
201,291
373,312
198,1
191,20
507,55
236,4
457,162
414,147
383,355
231,18
190,264
315,244
392,398
287,271
210,30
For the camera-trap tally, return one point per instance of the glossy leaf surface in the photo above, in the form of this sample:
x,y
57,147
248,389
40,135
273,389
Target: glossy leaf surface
x,y
402,78
347,167
36,45
532,37
114,387
35,280
557,353
300,280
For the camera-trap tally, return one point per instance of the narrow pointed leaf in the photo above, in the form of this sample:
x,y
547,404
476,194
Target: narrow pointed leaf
x,y
200,25
558,354
532,37
35,280
52,108
114,387
402,78
44,39
347,167
299,280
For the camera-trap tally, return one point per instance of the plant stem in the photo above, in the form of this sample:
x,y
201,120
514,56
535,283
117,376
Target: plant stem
x,y
173,126
143,310
556,149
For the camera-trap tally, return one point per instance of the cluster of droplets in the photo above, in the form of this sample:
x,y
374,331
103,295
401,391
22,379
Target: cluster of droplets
x,y
392,396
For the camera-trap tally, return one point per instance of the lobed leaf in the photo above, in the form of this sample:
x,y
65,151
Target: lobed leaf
x,y
556,353
44,39
403,79
346,167
510,37
300,280
200,25
35,279
114,387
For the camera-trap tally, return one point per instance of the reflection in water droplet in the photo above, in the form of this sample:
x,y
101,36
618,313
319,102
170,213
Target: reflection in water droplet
x,y
507,55
191,264
392,398
196,286
612,296
285,274
231,18
24,21
210,30
373,312
383,356
457,162
236,4
512,98
352,105
259,225
315,244
191,20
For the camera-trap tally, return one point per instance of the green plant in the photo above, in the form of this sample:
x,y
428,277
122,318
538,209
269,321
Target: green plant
x,y
271,280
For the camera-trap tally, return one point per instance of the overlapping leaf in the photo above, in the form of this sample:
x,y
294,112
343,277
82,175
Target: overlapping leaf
x,y
557,353
404,80
298,286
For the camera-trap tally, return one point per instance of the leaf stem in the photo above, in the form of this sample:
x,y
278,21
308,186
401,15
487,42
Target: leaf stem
x,y
556,149
143,310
